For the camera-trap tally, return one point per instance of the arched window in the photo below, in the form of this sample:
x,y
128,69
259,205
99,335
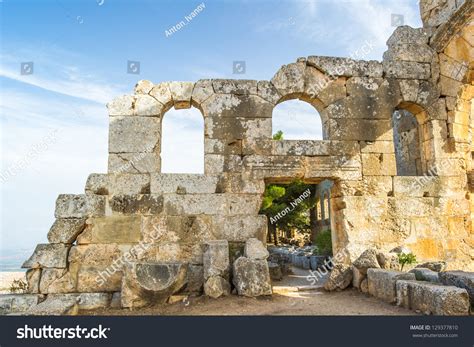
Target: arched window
x,y
298,120
407,140
182,141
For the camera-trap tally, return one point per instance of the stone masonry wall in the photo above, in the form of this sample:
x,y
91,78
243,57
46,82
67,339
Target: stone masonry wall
x,y
134,212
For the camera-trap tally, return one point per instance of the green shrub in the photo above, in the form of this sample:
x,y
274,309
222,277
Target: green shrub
x,y
323,242
406,258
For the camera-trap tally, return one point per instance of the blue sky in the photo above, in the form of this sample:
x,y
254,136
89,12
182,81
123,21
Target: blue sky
x,y
54,122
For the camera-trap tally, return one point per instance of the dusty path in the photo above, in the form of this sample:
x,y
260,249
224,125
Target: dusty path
x,y
286,300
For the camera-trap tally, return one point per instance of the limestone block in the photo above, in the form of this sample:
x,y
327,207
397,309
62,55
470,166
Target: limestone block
x,y
91,279
33,277
251,277
161,92
56,305
121,183
48,256
289,80
79,206
388,261
369,185
412,207
436,266
66,230
115,229
238,183
237,87
360,130
255,249
423,274
449,86
195,281
143,87
232,106
216,286
181,93
301,147
239,228
145,204
382,283
460,279
410,52
407,35
383,164
94,301
17,303
134,163
357,277
95,255
406,69
57,281
183,184
334,66
146,105
409,89
146,284
121,106
202,91
267,91
243,204
377,147
134,134
213,164
432,298
216,259
367,260
339,278
177,204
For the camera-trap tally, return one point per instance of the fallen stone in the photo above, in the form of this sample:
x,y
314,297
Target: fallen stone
x,y
388,261
145,284
357,277
275,271
432,298
65,230
367,260
437,266
216,286
423,274
339,278
56,305
460,279
364,286
17,303
254,249
216,259
49,256
382,283
251,277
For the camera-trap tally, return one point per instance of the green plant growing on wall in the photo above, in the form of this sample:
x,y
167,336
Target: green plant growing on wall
x,y
323,242
406,258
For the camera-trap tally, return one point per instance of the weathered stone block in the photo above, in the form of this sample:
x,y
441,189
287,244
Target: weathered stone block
x,y
335,66
423,274
406,69
17,303
339,278
134,163
181,93
251,277
143,87
301,147
216,259
216,286
79,206
33,277
183,184
57,281
162,93
134,134
66,230
237,87
115,229
289,80
460,279
146,204
146,105
240,228
121,106
431,298
202,91
382,283
367,260
90,279
255,249
49,256
178,204
267,91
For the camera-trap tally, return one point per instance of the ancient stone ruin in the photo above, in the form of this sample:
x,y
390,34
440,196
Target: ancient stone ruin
x,y
397,146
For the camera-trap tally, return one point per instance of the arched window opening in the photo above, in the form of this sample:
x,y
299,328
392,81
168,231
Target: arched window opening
x,y
407,140
298,120
182,141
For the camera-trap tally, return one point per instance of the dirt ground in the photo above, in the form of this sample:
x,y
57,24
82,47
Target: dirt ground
x,y
292,296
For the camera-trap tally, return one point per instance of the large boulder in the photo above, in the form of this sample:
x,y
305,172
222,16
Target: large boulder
x,y
145,284
459,279
436,266
339,278
255,249
423,274
388,260
251,277
216,286
367,260
432,298
382,283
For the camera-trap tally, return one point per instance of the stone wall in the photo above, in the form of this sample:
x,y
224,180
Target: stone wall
x,y
134,212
